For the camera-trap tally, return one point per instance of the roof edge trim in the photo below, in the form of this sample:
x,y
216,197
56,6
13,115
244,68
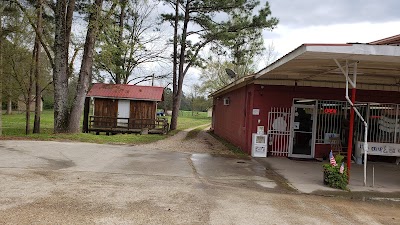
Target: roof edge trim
x,y
235,84
136,99
284,59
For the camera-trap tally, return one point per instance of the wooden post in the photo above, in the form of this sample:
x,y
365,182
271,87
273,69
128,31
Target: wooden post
x,y
85,128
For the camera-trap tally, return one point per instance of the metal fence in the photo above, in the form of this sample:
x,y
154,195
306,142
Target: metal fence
x,y
383,123
333,121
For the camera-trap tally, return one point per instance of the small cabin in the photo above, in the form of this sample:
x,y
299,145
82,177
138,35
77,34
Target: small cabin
x,y
123,108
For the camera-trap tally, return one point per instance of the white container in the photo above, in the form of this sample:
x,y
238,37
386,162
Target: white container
x,y
259,145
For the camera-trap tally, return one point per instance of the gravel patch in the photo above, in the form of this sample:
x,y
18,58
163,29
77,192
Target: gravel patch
x,y
202,143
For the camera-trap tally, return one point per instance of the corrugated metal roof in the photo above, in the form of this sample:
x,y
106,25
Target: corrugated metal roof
x,y
126,91
314,65
393,40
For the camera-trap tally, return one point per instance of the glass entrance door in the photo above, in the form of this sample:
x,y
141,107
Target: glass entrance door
x,y
303,137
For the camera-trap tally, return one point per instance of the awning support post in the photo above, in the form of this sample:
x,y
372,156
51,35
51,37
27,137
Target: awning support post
x,y
353,109
351,132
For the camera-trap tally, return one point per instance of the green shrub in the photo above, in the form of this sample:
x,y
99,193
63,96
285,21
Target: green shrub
x,y
333,178
339,159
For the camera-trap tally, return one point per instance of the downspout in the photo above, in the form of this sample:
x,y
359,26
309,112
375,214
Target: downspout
x,y
351,127
246,118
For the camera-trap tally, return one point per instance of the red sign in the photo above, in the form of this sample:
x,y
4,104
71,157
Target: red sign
x,y
330,111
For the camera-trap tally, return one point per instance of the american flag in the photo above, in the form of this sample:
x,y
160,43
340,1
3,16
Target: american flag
x,y
332,159
341,168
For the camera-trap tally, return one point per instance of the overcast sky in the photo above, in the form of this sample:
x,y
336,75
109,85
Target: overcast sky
x,y
321,21
326,21
331,21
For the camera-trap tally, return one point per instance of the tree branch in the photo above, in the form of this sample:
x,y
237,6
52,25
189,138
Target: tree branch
x,y
20,83
200,46
71,64
45,87
38,34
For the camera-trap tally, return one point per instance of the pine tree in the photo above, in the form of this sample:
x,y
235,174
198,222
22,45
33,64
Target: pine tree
x,y
203,14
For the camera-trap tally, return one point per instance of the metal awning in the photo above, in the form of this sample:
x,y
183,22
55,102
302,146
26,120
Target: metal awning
x,y
378,66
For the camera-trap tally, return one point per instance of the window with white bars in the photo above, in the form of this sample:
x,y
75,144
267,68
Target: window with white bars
x,y
382,118
331,120
383,122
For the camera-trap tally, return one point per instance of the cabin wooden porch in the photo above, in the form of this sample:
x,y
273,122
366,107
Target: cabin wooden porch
x,y
115,125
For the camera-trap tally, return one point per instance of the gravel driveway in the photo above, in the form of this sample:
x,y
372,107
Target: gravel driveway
x,y
201,143
82,183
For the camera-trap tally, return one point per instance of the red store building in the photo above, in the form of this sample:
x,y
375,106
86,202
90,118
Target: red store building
x,y
299,101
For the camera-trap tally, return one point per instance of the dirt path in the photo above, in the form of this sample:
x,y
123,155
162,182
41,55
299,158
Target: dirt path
x,y
202,143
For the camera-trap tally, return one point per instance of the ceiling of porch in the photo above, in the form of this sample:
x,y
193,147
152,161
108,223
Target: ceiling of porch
x,y
378,66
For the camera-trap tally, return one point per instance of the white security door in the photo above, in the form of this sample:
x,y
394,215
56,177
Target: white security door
x,y
123,112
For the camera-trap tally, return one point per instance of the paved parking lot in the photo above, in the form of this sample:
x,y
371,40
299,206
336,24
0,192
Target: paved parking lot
x,y
306,176
81,183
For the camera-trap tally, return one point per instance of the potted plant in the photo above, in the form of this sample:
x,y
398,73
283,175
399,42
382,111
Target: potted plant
x,y
335,172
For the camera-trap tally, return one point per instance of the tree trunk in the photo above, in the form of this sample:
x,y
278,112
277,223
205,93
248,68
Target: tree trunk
x,y
120,73
1,72
9,96
69,16
60,75
174,67
28,98
86,69
27,115
192,106
176,103
177,92
9,105
38,98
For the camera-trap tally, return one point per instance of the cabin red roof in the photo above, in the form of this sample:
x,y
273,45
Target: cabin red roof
x,y
126,91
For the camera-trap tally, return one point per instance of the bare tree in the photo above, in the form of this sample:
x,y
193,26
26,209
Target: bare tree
x,y
214,76
21,69
63,14
130,40
270,54
3,33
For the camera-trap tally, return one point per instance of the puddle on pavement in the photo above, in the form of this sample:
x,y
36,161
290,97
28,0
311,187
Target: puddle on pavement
x,y
271,184
58,164
384,197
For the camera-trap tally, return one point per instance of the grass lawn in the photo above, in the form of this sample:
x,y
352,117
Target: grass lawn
x,y
14,128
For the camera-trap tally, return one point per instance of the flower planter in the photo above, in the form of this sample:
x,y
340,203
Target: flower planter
x,y
325,178
333,178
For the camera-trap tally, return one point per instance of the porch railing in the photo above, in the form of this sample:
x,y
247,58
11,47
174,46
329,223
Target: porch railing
x,y
116,124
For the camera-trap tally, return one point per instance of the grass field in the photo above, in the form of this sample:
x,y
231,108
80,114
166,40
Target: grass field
x,y
14,128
